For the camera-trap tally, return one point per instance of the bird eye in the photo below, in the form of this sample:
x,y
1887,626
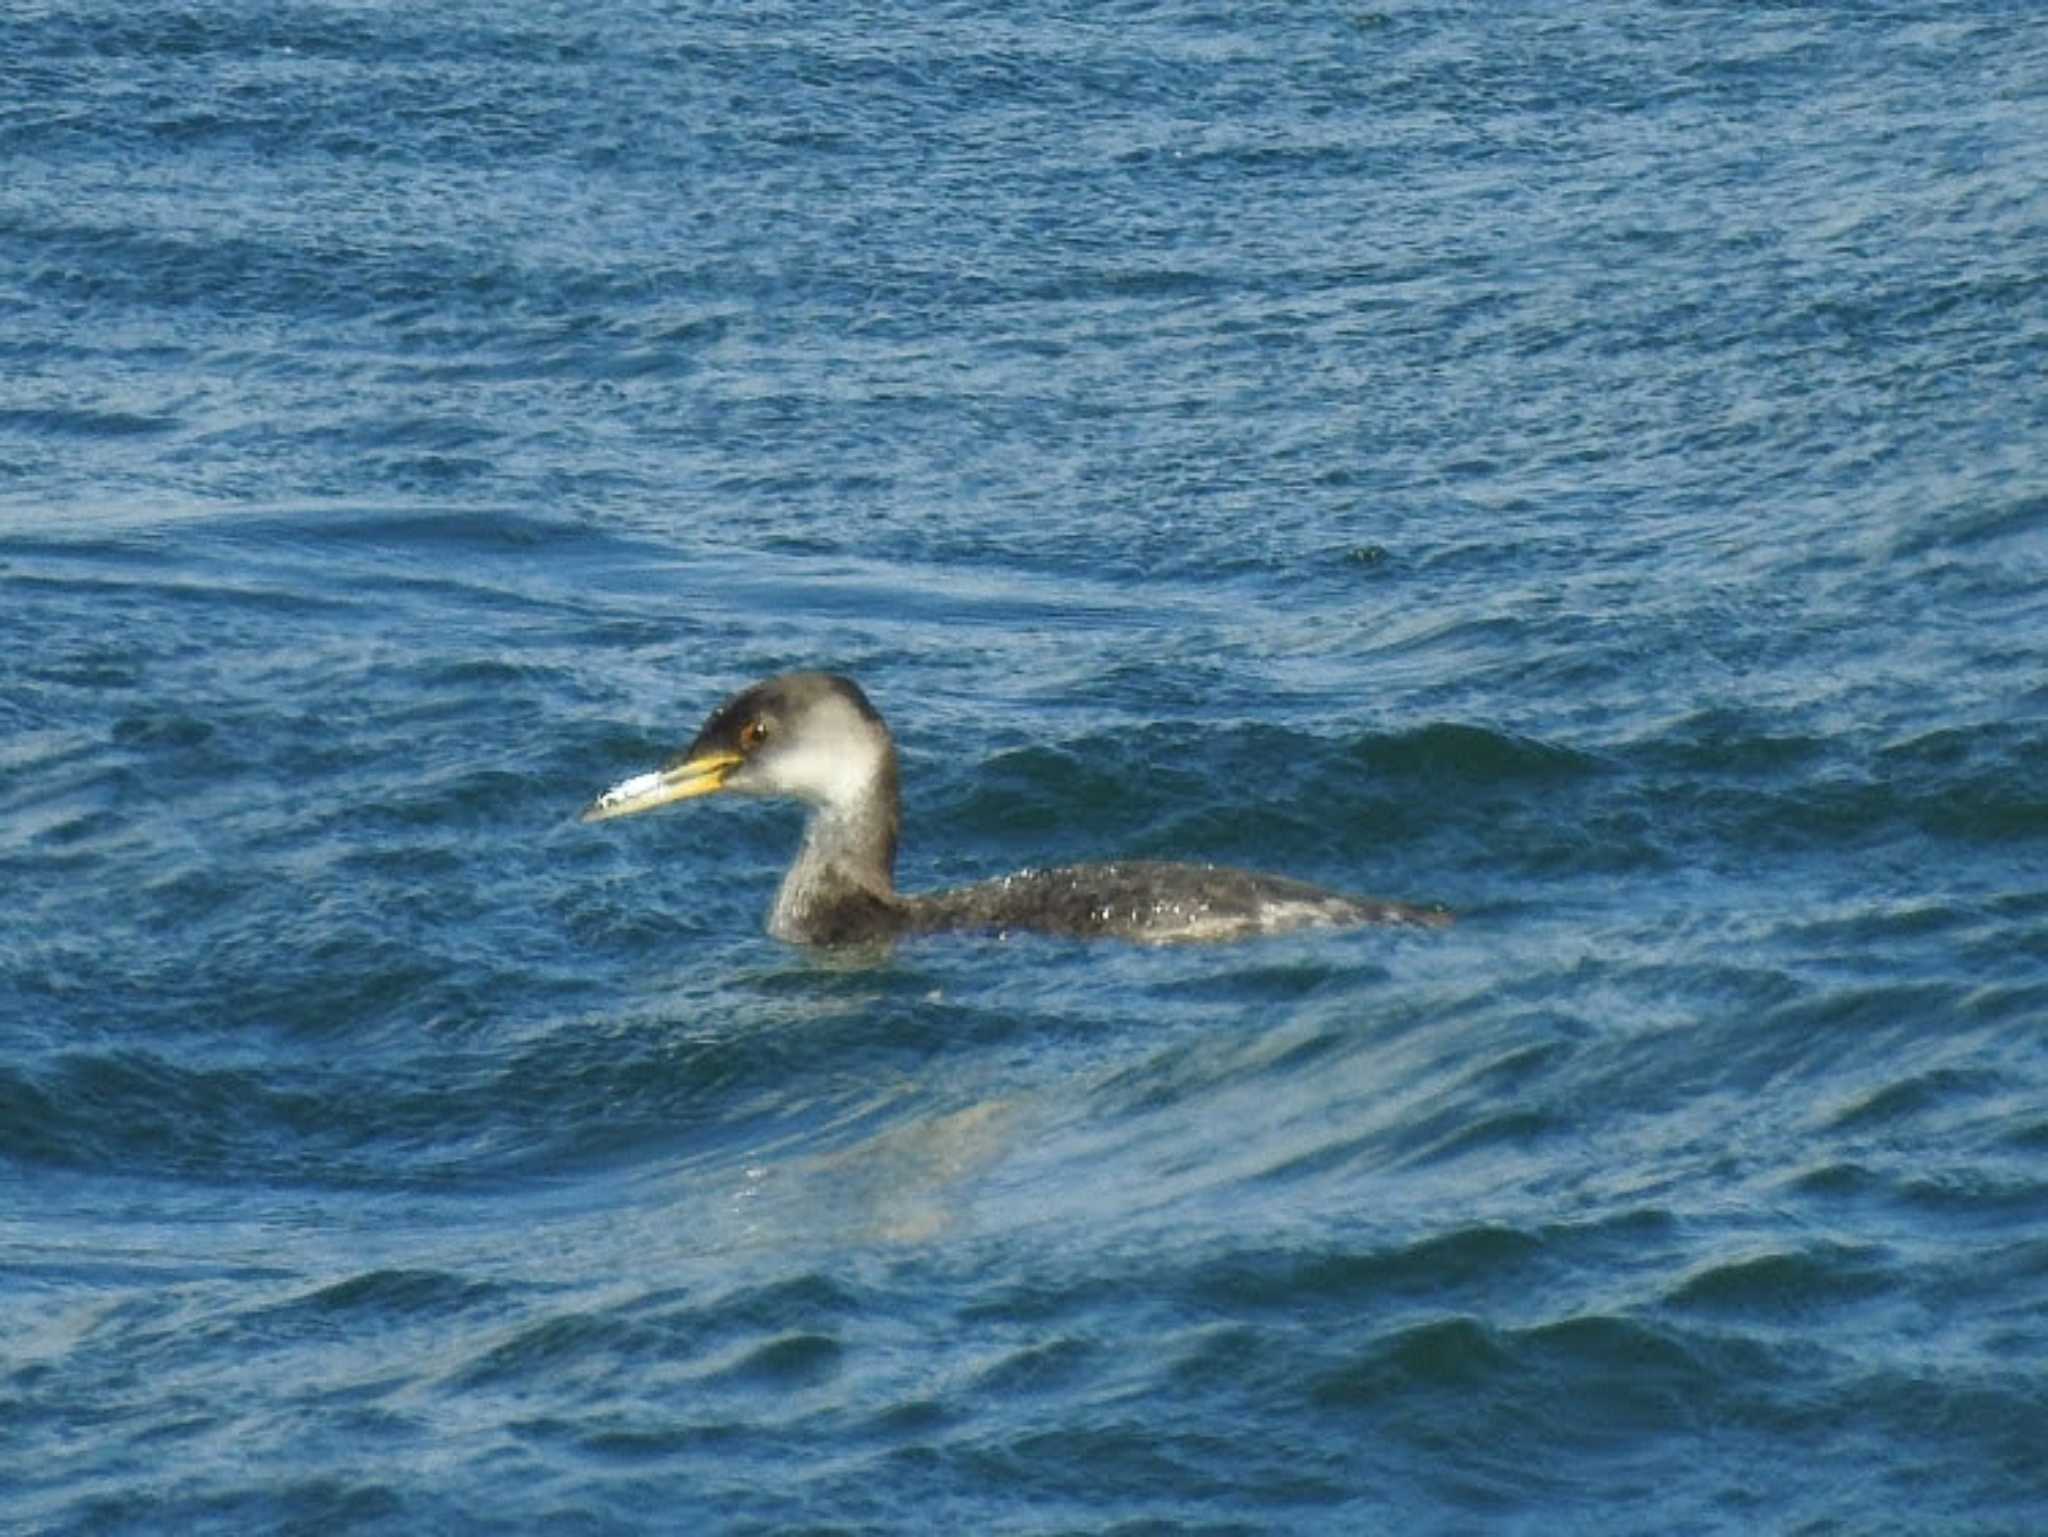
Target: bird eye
x,y
753,734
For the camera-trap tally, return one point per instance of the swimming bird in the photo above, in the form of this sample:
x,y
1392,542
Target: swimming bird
x,y
813,737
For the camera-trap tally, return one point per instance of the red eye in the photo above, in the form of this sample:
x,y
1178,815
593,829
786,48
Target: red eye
x,y
753,734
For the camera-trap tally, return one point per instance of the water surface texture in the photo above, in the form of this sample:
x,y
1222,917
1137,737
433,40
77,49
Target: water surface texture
x,y
1580,465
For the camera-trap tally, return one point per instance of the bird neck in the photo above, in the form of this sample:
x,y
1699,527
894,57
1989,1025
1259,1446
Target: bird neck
x,y
847,861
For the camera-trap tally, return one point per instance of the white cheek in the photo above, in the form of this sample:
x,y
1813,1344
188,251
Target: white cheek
x,y
824,775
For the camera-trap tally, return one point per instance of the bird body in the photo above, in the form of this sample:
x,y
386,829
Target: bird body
x,y
814,737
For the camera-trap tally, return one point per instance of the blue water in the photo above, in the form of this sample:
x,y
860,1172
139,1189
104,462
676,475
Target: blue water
x,y
1581,465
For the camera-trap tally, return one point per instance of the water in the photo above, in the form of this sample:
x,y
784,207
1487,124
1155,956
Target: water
x,y
1582,467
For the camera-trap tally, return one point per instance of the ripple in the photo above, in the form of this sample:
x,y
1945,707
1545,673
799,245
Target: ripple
x,y
1434,1264
1791,1283
789,1361
1038,1368
1916,1097
1456,1353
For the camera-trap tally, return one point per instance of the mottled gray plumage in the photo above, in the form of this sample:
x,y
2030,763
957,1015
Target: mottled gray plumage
x,y
815,737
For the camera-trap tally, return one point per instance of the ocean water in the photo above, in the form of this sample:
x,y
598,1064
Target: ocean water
x,y
1581,465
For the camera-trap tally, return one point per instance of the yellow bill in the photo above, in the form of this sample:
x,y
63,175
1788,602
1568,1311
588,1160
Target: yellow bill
x,y
643,792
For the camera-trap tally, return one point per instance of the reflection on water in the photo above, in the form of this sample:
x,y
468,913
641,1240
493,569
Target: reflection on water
x,y
906,1183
